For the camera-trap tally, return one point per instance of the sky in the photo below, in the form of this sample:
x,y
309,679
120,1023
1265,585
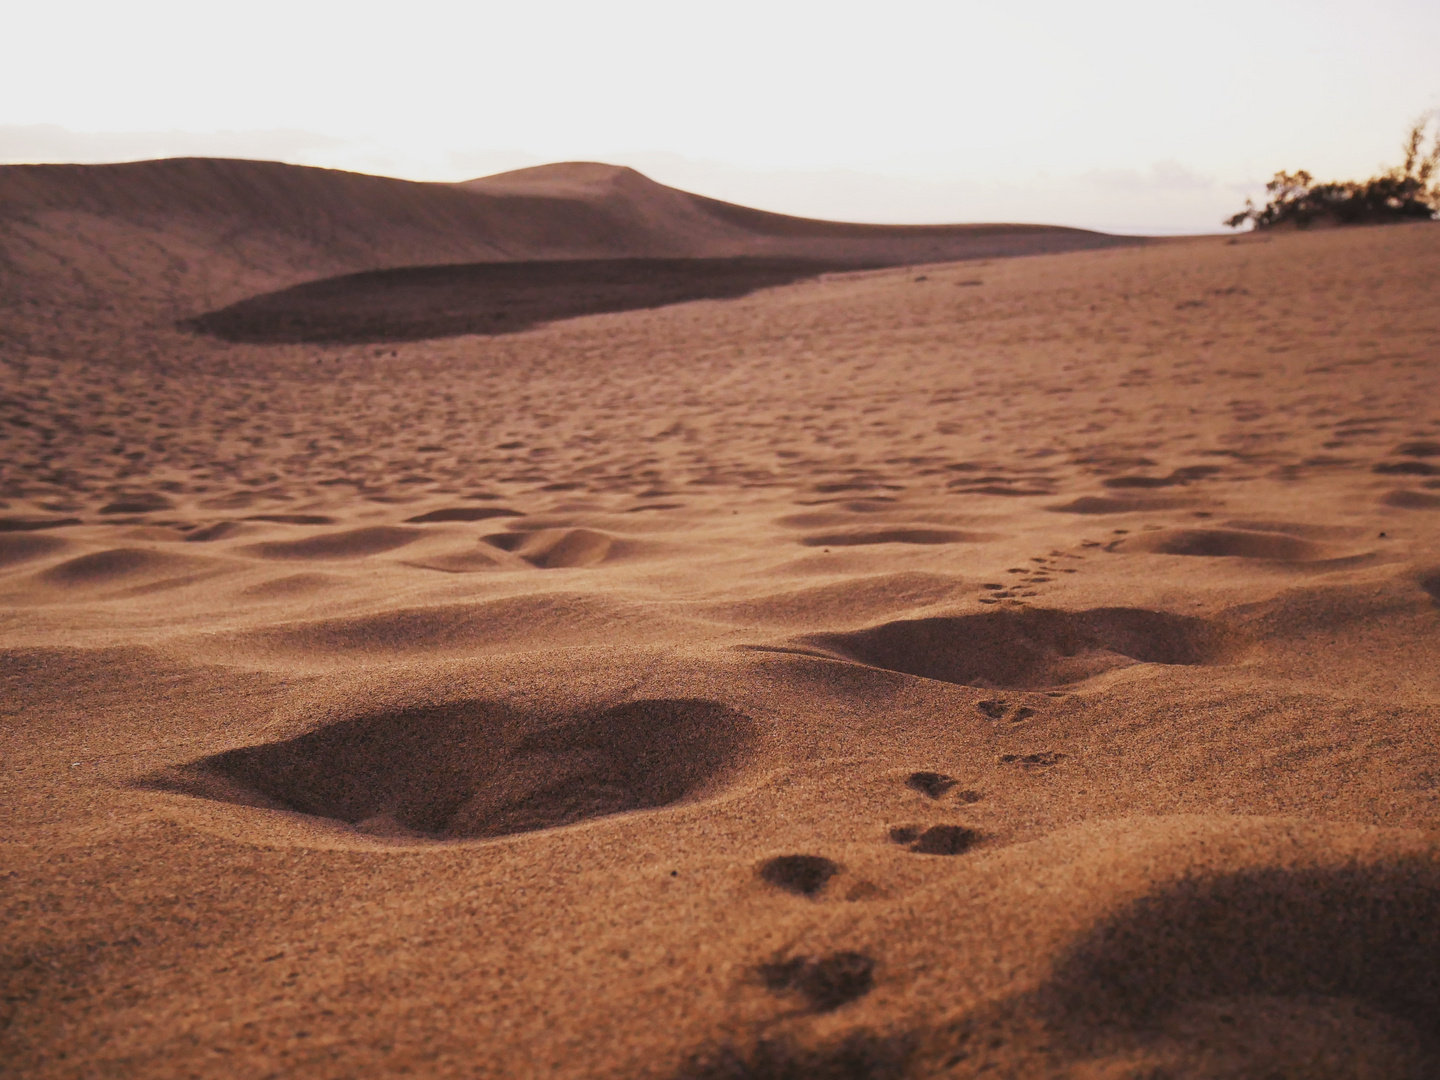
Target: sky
x,y
1132,117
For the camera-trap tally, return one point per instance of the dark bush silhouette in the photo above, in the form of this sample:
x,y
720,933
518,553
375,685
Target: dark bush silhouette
x,y
1404,193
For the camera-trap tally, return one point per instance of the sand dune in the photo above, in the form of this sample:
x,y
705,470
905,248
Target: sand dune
x,y
100,247
876,675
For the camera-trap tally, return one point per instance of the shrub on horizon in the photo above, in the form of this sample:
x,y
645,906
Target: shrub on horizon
x,y
1404,193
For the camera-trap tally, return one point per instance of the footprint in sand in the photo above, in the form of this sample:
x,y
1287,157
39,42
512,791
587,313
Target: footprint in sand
x,y
932,784
803,875
826,983
1042,759
479,769
1031,648
1273,546
935,840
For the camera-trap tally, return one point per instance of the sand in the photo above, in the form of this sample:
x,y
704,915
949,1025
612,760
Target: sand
x,y
1007,667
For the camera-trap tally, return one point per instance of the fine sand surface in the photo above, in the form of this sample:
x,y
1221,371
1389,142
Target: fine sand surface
x,y
1006,668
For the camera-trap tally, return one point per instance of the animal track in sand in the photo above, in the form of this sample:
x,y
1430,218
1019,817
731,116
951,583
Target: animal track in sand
x,y
932,784
1041,760
826,983
477,769
803,875
1030,648
935,840
996,708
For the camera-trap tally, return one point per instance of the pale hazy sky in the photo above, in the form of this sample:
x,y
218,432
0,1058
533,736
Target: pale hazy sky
x,y
1132,116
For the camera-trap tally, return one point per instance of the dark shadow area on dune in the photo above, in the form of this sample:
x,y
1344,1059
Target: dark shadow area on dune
x,y
479,769
1430,582
412,303
860,1055
1365,933
1031,648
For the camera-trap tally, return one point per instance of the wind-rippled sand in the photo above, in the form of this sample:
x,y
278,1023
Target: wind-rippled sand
x,y
1014,668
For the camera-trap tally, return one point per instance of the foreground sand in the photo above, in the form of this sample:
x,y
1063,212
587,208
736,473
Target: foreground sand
x,y
447,709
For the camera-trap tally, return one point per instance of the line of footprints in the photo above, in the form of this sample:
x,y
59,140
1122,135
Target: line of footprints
x,y
827,982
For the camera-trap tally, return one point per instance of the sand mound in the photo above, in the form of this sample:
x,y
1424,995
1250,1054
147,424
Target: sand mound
x,y
1100,504
860,537
1229,544
520,623
1031,648
854,602
291,585
349,544
216,530
1406,499
462,513
31,524
467,561
558,549
477,769
118,566
143,503
15,549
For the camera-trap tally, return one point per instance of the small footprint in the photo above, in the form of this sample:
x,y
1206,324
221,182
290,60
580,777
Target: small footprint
x,y
826,983
936,840
995,709
933,784
1043,759
803,875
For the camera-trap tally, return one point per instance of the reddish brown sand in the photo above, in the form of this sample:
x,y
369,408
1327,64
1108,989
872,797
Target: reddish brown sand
x,y
1022,667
